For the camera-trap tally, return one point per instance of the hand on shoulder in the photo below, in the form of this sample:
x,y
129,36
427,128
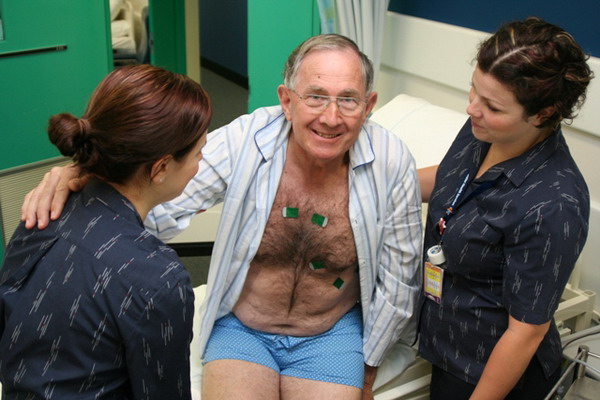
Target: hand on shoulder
x,y
46,201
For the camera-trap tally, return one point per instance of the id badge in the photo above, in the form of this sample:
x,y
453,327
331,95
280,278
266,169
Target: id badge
x,y
432,282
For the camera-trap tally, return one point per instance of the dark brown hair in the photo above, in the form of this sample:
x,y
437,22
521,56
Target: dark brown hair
x,y
136,115
541,64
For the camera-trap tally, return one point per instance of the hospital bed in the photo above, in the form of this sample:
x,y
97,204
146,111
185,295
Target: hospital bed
x,y
129,32
580,379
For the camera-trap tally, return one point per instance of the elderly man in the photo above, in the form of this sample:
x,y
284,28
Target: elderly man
x,y
315,269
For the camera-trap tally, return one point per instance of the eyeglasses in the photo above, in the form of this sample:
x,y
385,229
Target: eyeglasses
x,y
348,106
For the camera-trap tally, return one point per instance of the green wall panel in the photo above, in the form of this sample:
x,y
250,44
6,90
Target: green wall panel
x,y
34,86
275,28
167,34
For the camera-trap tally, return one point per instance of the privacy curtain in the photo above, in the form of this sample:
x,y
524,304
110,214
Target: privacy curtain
x,y
360,20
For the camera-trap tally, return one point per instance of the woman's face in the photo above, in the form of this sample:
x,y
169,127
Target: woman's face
x,y
496,115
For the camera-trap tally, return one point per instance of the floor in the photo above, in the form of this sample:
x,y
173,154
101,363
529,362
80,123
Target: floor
x,y
197,267
229,101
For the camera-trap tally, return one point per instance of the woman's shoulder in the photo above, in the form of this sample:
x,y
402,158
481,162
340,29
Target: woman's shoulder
x,y
555,190
111,236
559,174
147,267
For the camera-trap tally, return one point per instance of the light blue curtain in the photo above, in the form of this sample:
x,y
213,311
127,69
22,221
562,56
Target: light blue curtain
x,y
360,20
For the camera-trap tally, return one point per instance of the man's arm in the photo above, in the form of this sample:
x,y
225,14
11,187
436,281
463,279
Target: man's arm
x,y
46,201
394,304
370,375
427,181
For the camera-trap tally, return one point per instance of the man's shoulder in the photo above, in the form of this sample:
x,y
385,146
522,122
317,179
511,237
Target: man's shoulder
x,y
373,126
385,144
253,121
266,120
379,133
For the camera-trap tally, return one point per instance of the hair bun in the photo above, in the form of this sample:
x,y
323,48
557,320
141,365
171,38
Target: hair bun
x,y
71,135
84,126
82,143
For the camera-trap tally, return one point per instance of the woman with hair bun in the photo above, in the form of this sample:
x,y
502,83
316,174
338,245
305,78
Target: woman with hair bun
x,y
95,306
508,213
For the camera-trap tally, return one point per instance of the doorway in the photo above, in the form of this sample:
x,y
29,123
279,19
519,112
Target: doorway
x,y
129,32
149,31
224,57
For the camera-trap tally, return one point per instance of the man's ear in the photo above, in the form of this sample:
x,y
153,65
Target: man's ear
x,y
371,101
284,99
543,115
159,169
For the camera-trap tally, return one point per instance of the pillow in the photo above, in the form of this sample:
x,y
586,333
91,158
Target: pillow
x,y
115,8
428,130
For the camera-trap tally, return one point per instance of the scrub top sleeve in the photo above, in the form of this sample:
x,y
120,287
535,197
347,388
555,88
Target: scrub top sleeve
x,y
540,256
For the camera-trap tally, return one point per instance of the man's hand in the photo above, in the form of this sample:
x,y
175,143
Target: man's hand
x,y
46,201
370,375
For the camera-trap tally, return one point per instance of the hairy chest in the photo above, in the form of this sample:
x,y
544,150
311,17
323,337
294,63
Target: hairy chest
x,y
309,229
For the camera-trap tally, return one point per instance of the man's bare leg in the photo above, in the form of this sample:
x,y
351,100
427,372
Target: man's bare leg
x,y
236,379
305,389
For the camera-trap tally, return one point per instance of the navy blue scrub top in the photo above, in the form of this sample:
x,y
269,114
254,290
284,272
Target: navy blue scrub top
x,y
94,307
509,250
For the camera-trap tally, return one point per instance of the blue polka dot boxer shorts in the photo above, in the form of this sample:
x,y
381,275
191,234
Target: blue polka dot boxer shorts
x,y
334,356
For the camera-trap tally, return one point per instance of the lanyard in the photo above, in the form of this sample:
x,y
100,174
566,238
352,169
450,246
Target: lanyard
x,y
458,201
